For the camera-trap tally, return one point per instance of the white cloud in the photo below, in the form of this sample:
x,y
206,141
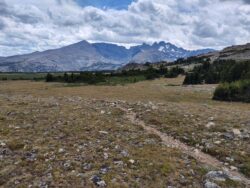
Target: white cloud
x,y
29,25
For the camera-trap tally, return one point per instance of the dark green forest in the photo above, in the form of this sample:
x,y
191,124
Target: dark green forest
x,y
122,77
234,79
219,71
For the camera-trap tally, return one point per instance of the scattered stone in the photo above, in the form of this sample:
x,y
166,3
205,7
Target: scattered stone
x,y
217,175
228,136
236,132
87,166
218,142
2,144
30,156
245,136
210,125
67,165
119,163
154,107
105,156
101,183
61,150
230,159
102,112
132,161
104,169
117,147
233,168
209,184
103,132
196,151
98,181
211,119
124,153
5,151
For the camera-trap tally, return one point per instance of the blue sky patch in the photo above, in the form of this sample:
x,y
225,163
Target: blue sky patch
x,y
115,4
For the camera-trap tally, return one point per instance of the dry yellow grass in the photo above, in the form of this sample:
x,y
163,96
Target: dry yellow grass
x,y
61,135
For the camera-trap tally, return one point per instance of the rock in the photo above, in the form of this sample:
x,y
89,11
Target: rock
x,y
30,156
2,144
117,147
132,161
211,119
217,142
209,184
102,112
217,176
101,183
233,168
87,166
124,153
61,150
228,136
105,156
67,165
236,132
98,181
104,169
43,184
5,151
230,159
245,136
103,132
210,125
154,107
119,163
196,151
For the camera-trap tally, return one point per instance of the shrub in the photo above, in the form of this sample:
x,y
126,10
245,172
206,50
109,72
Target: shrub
x,y
49,77
235,91
174,72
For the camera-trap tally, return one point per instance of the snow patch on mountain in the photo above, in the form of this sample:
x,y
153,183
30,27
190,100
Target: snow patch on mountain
x,y
97,56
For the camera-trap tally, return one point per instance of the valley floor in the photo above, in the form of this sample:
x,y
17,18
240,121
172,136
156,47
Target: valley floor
x,y
148,134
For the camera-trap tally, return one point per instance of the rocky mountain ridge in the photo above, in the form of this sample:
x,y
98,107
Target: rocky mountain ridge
x,y
84,56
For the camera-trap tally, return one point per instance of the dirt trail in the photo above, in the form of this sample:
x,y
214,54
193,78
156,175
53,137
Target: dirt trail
x,y
191,151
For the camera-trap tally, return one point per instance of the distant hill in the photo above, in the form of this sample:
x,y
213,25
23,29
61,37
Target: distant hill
x,y
84,56
238,53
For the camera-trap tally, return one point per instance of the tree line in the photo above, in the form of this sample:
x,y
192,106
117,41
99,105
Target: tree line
x,y
219,71
96,77
234,79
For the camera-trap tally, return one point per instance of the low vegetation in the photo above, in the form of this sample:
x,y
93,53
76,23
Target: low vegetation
x,y
22,76
113,78
57,136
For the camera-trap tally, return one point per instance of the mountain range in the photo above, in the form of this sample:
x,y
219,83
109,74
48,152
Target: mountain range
x,y
85,56
236,52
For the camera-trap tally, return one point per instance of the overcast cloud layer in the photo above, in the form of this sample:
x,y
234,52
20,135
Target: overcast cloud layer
x,y
32,25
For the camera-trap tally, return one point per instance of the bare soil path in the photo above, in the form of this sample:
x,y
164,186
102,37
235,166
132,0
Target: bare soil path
x,y
191,151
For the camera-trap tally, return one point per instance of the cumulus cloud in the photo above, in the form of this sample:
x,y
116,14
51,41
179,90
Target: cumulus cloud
x,y
29,25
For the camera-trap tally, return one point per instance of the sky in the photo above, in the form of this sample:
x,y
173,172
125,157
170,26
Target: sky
x,y
36,25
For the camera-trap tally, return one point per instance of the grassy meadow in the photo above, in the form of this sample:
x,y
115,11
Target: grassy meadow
x,y
66,136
